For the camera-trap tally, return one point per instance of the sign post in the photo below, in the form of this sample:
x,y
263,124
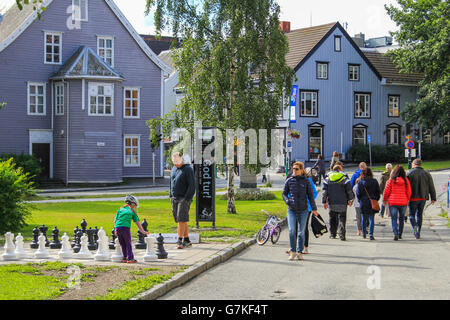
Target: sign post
x,y
369,139
409,145
292,119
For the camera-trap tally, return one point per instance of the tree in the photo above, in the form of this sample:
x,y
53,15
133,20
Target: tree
x,y
15,189
231,65
424,40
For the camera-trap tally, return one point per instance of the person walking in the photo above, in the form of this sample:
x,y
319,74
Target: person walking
x,y
296,193
122,227
357,210
383,180
306,245
397,194
422,187
334,159
362,166
353,181
181,192
337,195
319,166
367,189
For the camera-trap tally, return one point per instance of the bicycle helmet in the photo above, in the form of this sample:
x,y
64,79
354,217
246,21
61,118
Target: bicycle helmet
x,y
131,199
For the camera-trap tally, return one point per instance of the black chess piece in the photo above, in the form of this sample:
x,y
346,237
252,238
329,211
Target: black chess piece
x,y
96,237
91,242
43,229
55,244
75,232
160,252
35,243
77,246
83,225
141,244
144,225
112,244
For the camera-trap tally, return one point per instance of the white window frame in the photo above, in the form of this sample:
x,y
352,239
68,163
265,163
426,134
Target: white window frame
x,y
393,105
106,38
95,85
322,70
314,103
59,99
365,134
353,72
446,139
78,3
337,43
131,99
138,147
357,107
393,132
36,95
53,45
427,138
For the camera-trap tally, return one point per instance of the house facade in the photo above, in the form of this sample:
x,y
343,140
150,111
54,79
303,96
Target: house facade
x,y
79,84
346,96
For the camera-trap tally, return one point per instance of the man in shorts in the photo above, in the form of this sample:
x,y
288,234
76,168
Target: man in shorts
x,y
182,190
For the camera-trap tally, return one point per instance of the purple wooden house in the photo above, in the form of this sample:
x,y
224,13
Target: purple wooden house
x,y
79,84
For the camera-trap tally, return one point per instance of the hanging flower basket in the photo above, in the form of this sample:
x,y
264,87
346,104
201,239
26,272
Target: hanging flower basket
x,y
294,134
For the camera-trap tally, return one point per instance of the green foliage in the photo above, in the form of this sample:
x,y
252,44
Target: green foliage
x,y
435,151
28,162
248,195
37,6
14,190
424,40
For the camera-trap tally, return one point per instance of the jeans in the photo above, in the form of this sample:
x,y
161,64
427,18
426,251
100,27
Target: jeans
x,y
297,225
124,236
382,210
320,175
337,223
415,213
398,219
368,218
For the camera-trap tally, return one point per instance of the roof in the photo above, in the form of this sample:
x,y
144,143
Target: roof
x,y
166,56
86,64
389,71
159,45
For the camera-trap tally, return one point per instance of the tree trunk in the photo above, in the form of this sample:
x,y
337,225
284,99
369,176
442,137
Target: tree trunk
x,y
230,196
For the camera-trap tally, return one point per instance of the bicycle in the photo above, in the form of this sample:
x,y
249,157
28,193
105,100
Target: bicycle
x,y
271,229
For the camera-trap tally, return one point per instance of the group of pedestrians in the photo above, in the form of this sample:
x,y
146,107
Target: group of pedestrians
x,y
397,189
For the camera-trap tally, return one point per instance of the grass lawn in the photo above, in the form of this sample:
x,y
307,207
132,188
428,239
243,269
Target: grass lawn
x,y
427,165
158,213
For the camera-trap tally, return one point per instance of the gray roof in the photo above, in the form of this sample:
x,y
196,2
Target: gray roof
x,y
13,19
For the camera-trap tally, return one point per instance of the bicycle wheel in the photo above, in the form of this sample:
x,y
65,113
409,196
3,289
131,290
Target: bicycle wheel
x,y
276,234
263,236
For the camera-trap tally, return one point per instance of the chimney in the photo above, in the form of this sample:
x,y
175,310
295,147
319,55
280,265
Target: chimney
x,y
285,26
359,39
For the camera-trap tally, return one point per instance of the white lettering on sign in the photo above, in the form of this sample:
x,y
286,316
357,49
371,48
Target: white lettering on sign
x,y
173,237
100,144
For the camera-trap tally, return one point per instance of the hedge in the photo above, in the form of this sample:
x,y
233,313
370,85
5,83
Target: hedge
x,y
29,163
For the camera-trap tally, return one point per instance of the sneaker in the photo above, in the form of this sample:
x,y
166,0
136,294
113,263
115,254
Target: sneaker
x,y
124,260
179,245
299,256
342,238
358,233
332,237
399,236
396,238
132,261
292,255
305,250
372,238
364,236
187,244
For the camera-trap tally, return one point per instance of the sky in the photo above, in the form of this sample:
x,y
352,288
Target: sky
x,y
366,16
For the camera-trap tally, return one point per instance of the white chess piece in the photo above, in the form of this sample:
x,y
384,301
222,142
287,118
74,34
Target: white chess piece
x,y
9,247
66,250
20,252
84,252
41,252
149,254
117,255
103,249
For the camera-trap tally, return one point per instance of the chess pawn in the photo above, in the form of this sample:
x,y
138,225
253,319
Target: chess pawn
x,y
149,255
77,240
117,255
84,252
34,243
75,232
103,250
55,244
140,244
41,252
96,237
66,249
20,252
113,241
9,247
160,252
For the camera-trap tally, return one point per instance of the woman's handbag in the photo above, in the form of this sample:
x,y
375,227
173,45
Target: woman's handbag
x,y
374,203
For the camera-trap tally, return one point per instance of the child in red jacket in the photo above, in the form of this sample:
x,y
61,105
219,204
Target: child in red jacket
x,y
397,193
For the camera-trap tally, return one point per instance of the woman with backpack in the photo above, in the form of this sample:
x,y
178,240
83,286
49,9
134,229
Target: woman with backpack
x,y
397,194
367,190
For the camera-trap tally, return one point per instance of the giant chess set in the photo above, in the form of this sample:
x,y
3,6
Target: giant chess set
x,y
87,244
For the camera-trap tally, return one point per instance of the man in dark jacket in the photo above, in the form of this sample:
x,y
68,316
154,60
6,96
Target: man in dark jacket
x,y
337,194
422,188
181,191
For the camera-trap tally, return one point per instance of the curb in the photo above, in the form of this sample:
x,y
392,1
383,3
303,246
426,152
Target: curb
x,y
194,270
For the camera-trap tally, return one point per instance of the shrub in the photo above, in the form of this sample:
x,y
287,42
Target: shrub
x,y
28,162
14,190
435,151
380,153
248,195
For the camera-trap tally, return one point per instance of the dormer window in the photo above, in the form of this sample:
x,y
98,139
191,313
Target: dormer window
x,y
80,10
337,43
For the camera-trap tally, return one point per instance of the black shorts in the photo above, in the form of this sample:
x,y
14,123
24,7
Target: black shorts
x,y
180,209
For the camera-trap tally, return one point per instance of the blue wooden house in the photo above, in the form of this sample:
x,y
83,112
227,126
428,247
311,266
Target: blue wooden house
x,y
346,95
79,84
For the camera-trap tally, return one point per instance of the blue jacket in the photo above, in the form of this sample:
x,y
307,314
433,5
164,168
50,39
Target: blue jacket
x,y
296,193
315,193
373,189
354,177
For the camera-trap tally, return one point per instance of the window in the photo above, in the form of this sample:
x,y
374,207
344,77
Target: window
x,y
308,104
359,134
337,43
353,72
447,138
59,99
394,106
322,70
53,47
393,134
131,151
362,105
427,136
80,10
132,102
101,99
36,99
105,49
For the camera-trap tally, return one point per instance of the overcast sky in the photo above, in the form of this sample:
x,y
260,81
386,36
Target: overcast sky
x,y
366,16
